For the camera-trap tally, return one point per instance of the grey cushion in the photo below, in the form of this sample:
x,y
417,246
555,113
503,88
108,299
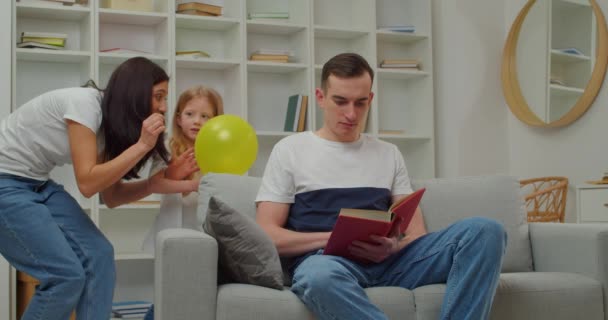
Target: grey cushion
x,y
498,197
245,251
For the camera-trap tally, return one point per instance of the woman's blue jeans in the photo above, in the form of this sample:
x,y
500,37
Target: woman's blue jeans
x,y
466,255
45,233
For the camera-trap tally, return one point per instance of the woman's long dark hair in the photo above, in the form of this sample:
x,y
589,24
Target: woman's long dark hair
x,y
126,103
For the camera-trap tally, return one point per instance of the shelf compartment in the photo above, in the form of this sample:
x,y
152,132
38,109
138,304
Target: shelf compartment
x,y
400,74
405,105
37,77
52,12
399,37
560,57
117,58
274,67
221,41
326,47
225,77
131,17
271,27
419,155
268,95
343,14
560,90
43,55
126,228
206,23
205,63
327,32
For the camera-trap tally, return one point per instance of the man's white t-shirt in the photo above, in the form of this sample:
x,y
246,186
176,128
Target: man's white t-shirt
x,y
34,138
319,177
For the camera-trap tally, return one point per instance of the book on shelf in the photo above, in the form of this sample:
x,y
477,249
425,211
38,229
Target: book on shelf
x,y
123,51
360,224
269,57
278,52
302,115
214,10
192,54
195,12
570,50
33,44
400,63
398,28
52,41
217,3
391,131
268,15
295,116
36,34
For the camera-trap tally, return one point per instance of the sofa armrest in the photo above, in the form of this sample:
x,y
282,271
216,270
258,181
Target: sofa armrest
x,y
185,275
569,247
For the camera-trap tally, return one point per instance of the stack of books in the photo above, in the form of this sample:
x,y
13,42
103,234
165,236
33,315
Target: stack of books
x,y
268,15
192,54
130,309
200,7
295,117
400,63
44,40
271,55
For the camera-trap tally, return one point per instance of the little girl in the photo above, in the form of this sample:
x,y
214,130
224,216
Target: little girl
x,y
195,107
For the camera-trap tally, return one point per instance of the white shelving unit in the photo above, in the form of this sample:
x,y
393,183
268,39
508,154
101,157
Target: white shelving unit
x,y
402,110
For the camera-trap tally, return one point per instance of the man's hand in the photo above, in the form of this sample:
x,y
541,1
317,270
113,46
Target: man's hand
x,y
378,248
182,166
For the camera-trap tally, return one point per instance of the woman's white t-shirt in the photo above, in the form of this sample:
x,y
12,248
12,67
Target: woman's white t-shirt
x,y
34,138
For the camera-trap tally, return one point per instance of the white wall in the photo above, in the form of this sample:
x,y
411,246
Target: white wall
x,y
471,116
578,151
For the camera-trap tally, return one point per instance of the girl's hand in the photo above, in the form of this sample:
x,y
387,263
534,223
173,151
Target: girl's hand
x,y
151,128
182,167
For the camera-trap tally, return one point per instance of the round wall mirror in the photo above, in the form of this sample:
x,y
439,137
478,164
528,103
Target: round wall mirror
x,y
554,61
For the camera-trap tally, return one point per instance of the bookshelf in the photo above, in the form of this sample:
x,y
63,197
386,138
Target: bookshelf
x,y
402,111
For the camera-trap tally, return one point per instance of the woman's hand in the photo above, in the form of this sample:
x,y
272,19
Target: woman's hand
x,y
151,128
182,167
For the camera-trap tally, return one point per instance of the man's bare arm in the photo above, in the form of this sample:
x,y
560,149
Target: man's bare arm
x,y
272,217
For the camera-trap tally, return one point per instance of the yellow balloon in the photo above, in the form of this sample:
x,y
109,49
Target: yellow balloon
x,y
226,144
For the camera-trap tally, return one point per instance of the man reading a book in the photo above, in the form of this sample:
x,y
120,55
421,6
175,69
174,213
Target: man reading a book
x,y
311,176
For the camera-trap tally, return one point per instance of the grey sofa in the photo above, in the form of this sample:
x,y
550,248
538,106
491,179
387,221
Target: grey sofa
x,y
550,271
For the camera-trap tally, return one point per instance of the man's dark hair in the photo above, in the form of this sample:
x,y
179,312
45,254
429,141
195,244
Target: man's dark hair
x,y
345,65
126,103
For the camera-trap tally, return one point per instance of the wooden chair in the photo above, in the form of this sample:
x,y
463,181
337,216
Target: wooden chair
x,y
546,198
26,288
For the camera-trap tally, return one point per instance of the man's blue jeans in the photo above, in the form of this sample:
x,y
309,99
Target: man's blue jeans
x,y
467,256
46,234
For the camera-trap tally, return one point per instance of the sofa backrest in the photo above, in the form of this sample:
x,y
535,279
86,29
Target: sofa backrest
x,y
444,202
238,192
498,197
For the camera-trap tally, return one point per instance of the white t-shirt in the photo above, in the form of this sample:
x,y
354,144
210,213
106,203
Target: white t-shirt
x,y
319,177
34,138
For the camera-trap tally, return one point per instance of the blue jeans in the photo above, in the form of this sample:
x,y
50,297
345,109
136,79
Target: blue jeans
x,y
46,234
467,256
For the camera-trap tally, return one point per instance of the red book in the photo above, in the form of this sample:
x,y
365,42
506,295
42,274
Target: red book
x,y
357,224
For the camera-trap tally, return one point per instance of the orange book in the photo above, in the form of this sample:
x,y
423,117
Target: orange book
x,y
215,10
359,224
302,116
196,12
